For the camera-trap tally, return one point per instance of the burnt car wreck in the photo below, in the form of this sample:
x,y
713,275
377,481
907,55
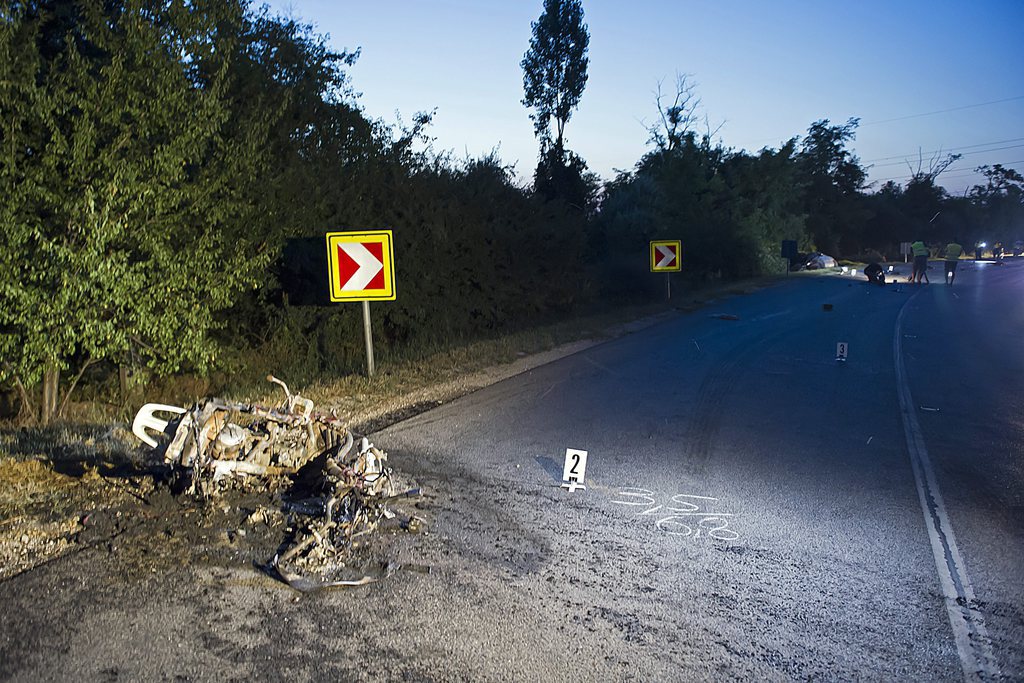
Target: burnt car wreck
x,y
337,492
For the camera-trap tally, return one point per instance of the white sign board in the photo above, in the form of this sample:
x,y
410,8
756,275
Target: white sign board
x,y
574,470
841,351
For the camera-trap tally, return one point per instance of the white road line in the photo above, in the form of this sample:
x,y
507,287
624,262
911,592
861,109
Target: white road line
x,y
972,641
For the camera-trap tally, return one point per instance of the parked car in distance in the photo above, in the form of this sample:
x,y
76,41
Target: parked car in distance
x,y
817,260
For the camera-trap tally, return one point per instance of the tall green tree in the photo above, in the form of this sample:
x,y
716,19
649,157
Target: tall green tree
x,y
555,68
1001,204
833,179
764,203
888,225
925,202
121,233
676,118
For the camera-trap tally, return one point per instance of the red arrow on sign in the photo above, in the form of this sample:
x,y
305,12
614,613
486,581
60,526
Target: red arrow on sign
x,y
668,255
361,266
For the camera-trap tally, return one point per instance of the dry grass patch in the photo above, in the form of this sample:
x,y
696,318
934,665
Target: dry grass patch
x,y
46,500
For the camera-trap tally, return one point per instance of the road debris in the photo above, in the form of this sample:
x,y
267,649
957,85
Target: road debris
x,y
217,443
334,496
355,493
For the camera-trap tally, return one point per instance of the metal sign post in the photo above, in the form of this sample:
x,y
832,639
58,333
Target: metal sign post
x,y
368,333
666,257
361,267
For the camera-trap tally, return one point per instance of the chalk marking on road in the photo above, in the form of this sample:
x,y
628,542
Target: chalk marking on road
x,y
677,513
635,492
715,532
869,440
969,632
689,510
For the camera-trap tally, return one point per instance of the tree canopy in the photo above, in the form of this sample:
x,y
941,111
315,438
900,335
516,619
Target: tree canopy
x,y
555,68
123,233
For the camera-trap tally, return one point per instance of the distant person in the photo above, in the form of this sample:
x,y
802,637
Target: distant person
x,y
873,271
920,252
952,256
979,247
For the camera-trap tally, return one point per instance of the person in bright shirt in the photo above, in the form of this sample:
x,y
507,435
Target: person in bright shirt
x,y
920,252
952,256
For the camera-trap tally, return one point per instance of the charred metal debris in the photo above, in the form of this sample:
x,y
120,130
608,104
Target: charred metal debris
x,y
218,444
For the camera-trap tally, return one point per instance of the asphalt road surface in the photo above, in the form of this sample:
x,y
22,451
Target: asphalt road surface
x,y
755,509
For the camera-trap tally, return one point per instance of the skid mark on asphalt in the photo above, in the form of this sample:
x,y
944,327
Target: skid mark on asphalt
x,y
714,388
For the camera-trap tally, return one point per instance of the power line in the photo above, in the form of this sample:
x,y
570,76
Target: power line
x,y
944,174
981,144
904,118
979,151
962,173
943,111
959,173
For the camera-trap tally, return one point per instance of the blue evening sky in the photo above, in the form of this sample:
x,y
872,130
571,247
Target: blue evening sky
x,y
922,75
